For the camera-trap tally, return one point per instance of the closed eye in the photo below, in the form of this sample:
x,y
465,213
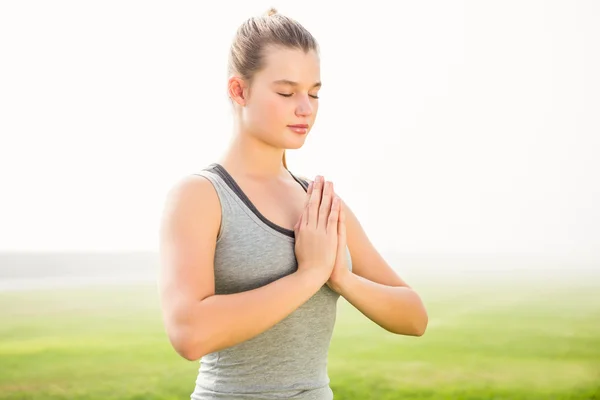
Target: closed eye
x,y
289,95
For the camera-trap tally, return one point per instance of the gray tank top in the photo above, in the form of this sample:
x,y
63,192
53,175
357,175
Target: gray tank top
x,y
289,360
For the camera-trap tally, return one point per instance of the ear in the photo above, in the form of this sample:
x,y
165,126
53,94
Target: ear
x,y
237,90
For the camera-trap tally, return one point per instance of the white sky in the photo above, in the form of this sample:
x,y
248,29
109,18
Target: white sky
x,y
448,126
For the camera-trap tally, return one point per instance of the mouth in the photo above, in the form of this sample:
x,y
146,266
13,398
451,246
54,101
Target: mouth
x,y
299,128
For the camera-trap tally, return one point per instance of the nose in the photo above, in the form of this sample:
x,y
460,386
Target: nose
x,y
304,107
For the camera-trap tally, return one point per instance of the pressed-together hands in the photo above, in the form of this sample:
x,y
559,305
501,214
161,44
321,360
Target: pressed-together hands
x,y
321,234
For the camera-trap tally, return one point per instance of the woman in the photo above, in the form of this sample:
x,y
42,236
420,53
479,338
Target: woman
x,y
254,258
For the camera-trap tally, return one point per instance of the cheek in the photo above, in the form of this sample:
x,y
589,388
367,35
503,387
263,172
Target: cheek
x,y
268,119
273,112
278,108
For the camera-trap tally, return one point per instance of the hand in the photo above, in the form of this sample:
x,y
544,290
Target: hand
x,y
316,230
340,267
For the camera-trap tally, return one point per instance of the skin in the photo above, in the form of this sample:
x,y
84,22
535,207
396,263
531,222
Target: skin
x,y
254,156
197,320
261,134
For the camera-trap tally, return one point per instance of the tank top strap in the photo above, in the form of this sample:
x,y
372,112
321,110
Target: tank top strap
x,y
236,207
300,179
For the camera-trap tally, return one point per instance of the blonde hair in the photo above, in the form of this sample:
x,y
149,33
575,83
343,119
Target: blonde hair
x,y
246,56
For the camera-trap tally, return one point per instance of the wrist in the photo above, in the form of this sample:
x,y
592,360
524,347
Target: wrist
x,y
312,275
341,281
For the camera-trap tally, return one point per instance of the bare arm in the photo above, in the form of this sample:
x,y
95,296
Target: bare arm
x,y
375,289
397,309
197,321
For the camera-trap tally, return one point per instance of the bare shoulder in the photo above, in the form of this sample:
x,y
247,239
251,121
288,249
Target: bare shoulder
x,y
189,227
192,202
190,189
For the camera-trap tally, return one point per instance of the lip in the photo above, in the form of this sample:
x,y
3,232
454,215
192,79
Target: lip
x,y
300,129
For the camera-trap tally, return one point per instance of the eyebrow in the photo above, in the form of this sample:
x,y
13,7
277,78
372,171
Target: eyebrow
x,y
292,83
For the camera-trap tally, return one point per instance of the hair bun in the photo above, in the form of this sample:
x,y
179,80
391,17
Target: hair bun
x,y
271,11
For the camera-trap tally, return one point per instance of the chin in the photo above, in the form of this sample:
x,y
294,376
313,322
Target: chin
x,y
295,144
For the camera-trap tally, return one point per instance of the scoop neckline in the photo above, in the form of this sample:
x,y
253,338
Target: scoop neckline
x,y
233,185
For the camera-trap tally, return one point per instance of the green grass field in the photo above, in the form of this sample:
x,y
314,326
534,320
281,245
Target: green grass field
x,y
485,341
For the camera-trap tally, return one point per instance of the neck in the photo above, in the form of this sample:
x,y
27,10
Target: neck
x,y
250,157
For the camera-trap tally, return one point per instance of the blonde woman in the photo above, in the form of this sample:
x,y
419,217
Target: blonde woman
x,y
254,257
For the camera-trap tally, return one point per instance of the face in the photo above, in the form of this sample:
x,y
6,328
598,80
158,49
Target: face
x,y
283,93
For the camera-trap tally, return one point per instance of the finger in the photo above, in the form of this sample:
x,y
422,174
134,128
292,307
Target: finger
x,y
310,188
341,255
325,207
304,215
332,221
314,202
302,219
342,226
308,193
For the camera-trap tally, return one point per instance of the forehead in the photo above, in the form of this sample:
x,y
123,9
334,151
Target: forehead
x,y
290,64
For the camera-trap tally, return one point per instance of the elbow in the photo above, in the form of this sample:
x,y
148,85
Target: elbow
x,y
420,322
417,324
420,325
188,347
190,355
412,328
191,352
188,352
415,328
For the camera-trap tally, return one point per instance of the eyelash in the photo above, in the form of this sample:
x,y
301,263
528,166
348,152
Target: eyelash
x,y
288,95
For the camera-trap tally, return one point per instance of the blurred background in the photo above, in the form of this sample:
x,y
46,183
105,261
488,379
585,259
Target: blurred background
x,y
464,135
